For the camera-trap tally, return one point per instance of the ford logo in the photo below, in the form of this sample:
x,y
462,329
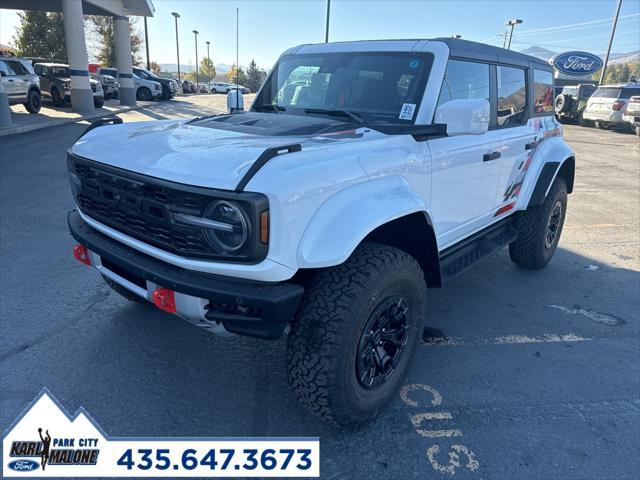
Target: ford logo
x,y
23,465
577,63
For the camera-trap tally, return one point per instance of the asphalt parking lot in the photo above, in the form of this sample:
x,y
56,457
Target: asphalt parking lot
x,y
522,375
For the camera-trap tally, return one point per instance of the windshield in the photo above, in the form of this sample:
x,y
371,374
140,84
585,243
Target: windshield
x,y
143,73
375,86
109,71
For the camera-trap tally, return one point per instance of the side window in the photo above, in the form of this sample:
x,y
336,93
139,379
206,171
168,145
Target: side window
x,y
512,96
17,67
543,91
464,80
6,68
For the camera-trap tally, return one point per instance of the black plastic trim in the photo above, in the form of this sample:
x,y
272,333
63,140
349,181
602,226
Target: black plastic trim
x,y
100,122
264,157
542,185
277,302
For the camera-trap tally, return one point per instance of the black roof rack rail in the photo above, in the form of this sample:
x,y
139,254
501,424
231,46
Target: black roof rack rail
x,y
264,157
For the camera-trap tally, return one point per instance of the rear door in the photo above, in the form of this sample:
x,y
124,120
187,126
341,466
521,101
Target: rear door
x,y
22,78
516,131
463,195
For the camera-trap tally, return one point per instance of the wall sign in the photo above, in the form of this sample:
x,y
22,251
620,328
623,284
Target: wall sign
x,y
576,63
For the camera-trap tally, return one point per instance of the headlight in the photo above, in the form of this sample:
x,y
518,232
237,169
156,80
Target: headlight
x,y
66,86
233,230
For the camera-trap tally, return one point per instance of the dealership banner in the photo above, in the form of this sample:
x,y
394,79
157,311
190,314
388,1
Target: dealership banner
x,y
45,441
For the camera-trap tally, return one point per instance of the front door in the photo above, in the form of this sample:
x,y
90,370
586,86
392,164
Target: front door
x,y
465,169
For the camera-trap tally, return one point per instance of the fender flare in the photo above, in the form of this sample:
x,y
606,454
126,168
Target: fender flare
x,y
548,174
346,218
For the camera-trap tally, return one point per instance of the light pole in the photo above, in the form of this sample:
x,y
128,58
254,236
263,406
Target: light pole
x,y
613,32
326,32
195,34
177,16
512,23
208,61
146,43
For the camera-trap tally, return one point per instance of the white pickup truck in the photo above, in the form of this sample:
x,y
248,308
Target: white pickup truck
x,y
363,174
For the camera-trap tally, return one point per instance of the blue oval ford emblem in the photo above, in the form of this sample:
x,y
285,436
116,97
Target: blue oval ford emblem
x,y
577,63
23,465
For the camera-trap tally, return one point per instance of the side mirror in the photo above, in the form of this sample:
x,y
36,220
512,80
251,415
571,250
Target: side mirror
x,y
464,116
2,74
235,101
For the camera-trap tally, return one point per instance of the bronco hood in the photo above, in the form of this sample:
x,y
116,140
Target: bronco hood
x,y
209,153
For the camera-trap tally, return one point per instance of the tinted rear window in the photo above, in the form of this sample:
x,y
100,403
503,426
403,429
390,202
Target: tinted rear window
x,y
607,92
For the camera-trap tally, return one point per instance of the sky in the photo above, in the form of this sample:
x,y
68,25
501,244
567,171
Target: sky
x,y
268,27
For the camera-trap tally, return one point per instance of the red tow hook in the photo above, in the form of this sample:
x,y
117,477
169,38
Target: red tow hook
x,y
81,254
164,299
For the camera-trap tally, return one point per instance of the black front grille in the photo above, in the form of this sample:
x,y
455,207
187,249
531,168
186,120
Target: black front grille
x,y
93,87
141,210
142,207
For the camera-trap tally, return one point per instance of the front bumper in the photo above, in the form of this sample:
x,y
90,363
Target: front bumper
x,y
244,307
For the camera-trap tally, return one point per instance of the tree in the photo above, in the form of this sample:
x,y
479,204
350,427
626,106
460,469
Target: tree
x,y
207,70
41,35
241,76
105,39
155,68
255,76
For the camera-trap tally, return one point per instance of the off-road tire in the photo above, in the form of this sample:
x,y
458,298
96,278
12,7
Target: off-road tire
x,y
600,125
144,94
529,249
33,102
98,104
123,292
328,328
58,101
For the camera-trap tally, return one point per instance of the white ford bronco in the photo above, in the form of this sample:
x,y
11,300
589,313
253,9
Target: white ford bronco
x,y
363,174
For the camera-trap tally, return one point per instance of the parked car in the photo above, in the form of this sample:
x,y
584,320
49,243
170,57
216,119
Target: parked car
x,y
109,85
20,82
188,86
224,87
632,114
572,101
55,82
145,89
219,87
398,167
607,104
169,85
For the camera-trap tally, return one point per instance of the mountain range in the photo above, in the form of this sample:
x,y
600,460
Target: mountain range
x,y
614,58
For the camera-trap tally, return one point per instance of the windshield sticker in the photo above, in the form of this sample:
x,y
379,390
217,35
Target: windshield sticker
x,y
413,63
406,113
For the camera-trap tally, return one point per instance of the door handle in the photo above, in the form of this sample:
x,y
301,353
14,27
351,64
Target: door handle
x,y
11,80
487,157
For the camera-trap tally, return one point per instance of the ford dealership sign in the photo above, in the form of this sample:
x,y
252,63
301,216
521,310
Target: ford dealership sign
x,y
577,63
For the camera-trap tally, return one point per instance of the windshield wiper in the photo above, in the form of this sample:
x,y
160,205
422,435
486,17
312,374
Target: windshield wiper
x,y
336,113
269,106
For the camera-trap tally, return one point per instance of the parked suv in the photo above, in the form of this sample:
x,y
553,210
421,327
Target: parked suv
x,y
608,103
109,85
393,167
572,101
145,89
55,82
632,114
20,82
169,85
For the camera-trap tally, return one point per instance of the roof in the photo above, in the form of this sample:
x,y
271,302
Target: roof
x,y
457,48
621,85
143,8
49,64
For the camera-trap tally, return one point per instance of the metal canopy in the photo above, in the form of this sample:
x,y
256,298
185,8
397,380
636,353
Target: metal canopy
x,y
135,8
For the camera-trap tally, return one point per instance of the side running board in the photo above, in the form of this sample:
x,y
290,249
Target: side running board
x,y
264,157
461,257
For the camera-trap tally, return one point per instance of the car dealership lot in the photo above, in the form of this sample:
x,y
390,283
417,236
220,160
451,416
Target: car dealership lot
x,y
521,374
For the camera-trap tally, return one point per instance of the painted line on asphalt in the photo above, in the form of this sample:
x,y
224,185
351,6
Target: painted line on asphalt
x,y
504,340
598,317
